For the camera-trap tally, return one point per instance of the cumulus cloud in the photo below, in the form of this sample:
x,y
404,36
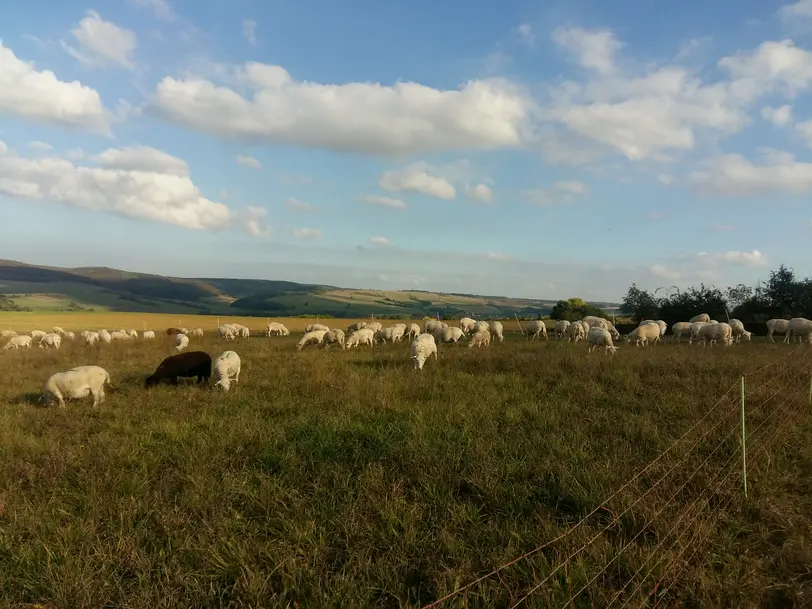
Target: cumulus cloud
x,y
379,241
417,178
755,258
39,96
480,193
102,43
293,203
791,13
526,34
383,201
249,31
145,194
772,66
162,9
253,222
595,49
560,192
804,129
735,176
307,233
401,119
142,158
249,161
779,117
42,146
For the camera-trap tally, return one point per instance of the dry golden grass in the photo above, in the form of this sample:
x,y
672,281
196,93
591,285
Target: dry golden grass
x,y
348,479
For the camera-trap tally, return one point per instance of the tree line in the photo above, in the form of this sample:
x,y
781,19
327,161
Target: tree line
x,y
783,295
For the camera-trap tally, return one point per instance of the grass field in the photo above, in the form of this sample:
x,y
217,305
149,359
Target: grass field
x,y
348,479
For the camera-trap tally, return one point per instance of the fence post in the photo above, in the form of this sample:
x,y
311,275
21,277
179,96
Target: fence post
x,y
744,447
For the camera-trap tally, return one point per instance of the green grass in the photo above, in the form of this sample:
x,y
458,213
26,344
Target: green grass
x,y
348,479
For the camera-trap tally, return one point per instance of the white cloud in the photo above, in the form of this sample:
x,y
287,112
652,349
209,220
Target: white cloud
x,y
791,13
75,154
41,97
666,179
249,31
480,193
383,201
142,158
307,233
249,161
402,119
772,66
595,50
777,116
103,43
417,178
733,175
658,270
689,47
298,205
498,256
379,241
383,277
253,225
526,34
754,259
162,9
42,146
151,195
804,129
560,192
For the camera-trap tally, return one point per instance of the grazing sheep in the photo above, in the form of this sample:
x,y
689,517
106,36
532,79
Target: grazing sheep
x,y
315,327
681,329
133,334
191,363
181,342
226,331
8,334
576,332
663,326
275,327
356,326
173,331
37,334
776,325
498,330
70,335
391,334
50,340
423,347
481,325
413,331
800,327
244,332
225,367
197,332
18,342
701,317
119,335
334,337
714,332
481,338
373,325
148,335
448,335
313,337
600,337
644,334
58,330
90,338
695,328
364,336
105,337
560,328
77,383
593,321
536,328
467,324
738,330
432,325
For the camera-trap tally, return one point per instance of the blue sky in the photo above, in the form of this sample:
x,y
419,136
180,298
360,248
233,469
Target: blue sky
x,y
549,150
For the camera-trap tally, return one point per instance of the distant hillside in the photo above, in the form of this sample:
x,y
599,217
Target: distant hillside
x,y
39,288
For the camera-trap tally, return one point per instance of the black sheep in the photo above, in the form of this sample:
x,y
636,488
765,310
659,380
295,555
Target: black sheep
x,y
191,363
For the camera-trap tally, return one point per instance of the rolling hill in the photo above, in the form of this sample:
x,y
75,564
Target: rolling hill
x,y
40,288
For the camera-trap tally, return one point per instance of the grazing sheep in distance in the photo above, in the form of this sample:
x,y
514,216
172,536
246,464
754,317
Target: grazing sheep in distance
x,y
173,331
57,330
576,332
8,334
77,383
148,335
374,326
198,332
480,339
800,327
50,340
432,325
738,330
413,331
593,321
695,328
181,342
561,327
226,366
776,325
714,332
90,338
535,329
364,336
356,326
498,330
467,324
275,327
37,334
313,337
423,347
448,335
600,337
133,334
17,342
104,336
701,317
315,327
644,334
191,363
119,335
681,329
227,332
481,325
390,334
663,326
70,335
333,337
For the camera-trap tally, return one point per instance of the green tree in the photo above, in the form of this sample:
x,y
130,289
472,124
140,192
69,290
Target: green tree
x,y
640,304
575,308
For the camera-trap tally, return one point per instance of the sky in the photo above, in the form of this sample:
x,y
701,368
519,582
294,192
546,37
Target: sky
x,y
531,149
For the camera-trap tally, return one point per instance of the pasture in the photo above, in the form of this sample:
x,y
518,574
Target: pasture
x,y
348,479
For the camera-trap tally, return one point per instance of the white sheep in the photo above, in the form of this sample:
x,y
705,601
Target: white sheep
x,y
413,331
227,332
373,325
714,332
148,335
274,327
181,342
70,335
498,330
592,321
334,337
50,340
37,334
432,325
391,334
467,324
480,339
695,328
659,322
364,336
776,325
8,334
535,329
701,317
90,338
225,367
77,383
801,327
356,326
644,334
105,337
560,328
481,325
58,330
133,334
576,332
681,329
316,327
314,337
600,337
197,332
18,342
184,331
423,347
738,330
119,335
448,335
